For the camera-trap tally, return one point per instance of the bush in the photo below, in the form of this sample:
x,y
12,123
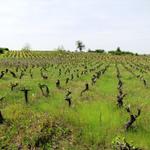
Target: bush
x,y
3,50
120,52
97,51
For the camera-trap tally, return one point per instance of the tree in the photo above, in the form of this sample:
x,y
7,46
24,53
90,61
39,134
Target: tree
x,y
80,45
97,51
118,50
100,51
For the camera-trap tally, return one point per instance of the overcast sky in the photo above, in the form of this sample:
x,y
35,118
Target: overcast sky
x,y
105,24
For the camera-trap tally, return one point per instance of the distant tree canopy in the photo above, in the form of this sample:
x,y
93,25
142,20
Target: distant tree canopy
x,y
120,52
3,50
80,45
97,51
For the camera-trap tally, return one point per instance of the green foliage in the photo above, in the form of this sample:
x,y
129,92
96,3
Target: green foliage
x,y
97,51
3,50
120,52
80,45
93,118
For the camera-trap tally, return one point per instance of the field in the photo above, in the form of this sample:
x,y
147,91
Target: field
x,y
72,101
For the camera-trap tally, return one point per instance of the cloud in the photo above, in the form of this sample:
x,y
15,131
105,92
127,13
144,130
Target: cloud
x,y
45,24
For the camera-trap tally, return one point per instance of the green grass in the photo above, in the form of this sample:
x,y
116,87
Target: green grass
x,y
94,118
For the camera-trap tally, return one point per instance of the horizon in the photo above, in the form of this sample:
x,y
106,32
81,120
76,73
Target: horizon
x,y
74,51
46,25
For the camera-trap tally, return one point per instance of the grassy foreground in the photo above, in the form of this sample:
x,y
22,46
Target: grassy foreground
x,y
92,122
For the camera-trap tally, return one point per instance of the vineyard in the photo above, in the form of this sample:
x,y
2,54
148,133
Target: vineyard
x,y
72,101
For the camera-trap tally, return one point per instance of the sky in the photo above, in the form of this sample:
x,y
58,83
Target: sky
x,y
99,24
